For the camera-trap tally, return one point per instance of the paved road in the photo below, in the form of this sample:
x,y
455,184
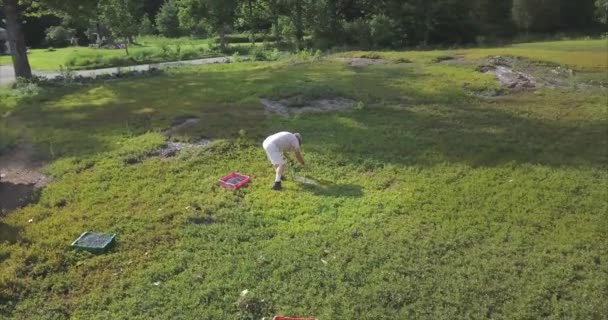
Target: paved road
x,y
7,74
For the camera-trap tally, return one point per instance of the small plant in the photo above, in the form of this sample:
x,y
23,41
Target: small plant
x,y
214,47
360,106
66,74
164,50
260,54
70,62
251,307
274,55
236,57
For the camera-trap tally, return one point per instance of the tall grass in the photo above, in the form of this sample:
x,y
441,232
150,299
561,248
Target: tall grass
x,y
163,53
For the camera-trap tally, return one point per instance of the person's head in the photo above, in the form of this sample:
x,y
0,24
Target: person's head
x,y
299,136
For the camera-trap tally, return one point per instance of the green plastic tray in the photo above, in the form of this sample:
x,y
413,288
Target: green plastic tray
x,y
94,242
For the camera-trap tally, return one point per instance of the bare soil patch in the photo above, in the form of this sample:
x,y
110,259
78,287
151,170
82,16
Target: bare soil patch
x,y
171,149
20,177
362,62
180,125
503,69
297,105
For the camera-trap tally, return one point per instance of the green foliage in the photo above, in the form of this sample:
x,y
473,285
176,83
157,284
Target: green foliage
x,y
59,36
163,53
119,17
219,15
382,31
536,15
359,33
308,55
601,11
258,53
246,38
145,27
167,21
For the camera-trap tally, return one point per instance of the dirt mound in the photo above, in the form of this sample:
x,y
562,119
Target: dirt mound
x,y
20,177
287,107
516,73
362,62
503,69
173,148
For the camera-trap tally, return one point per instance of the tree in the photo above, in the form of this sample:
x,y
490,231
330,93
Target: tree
x,y
167,21
493,18
577,15
119,17
522,14
536,15
16,40
219,15
297,11
59,36
146,27
601,11
15,31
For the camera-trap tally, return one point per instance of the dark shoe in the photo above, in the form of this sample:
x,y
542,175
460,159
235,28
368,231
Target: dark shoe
x,y
277,186
283,178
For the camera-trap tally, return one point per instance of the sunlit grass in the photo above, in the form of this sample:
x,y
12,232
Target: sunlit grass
x,y
433,204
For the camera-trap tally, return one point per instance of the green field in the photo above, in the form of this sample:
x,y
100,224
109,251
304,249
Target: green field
x,y
147,50
434,203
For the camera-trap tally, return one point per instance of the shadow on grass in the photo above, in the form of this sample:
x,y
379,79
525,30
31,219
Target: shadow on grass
x,y
471,135
13,196
327,189
9,234
443,127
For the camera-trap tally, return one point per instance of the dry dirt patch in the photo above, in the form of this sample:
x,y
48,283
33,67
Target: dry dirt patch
x,y
20,177
362,62
287,107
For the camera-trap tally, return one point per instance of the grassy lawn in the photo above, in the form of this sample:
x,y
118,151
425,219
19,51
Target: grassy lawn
x,y
434,204
148,49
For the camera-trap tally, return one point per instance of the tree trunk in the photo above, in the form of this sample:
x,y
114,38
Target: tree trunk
x,y
298,24
275,18
16,41
98,41
333,21
127,45
222,32
251,24
277,32
427,29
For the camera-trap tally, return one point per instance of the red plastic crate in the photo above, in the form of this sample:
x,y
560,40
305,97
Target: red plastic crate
x,y
234,181
288,318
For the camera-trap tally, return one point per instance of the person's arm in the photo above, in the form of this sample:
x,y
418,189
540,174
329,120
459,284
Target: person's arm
x,y
299,157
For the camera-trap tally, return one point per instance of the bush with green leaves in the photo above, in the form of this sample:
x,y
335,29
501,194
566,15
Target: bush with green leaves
x,y
359,33
382,30
146,27
261,54
167,21
59,36
246,38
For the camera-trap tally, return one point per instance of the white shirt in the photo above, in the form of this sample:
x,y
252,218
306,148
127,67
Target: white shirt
x,y
283,141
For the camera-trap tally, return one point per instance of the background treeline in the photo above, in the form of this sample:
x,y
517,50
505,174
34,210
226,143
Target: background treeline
x,y
311,23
